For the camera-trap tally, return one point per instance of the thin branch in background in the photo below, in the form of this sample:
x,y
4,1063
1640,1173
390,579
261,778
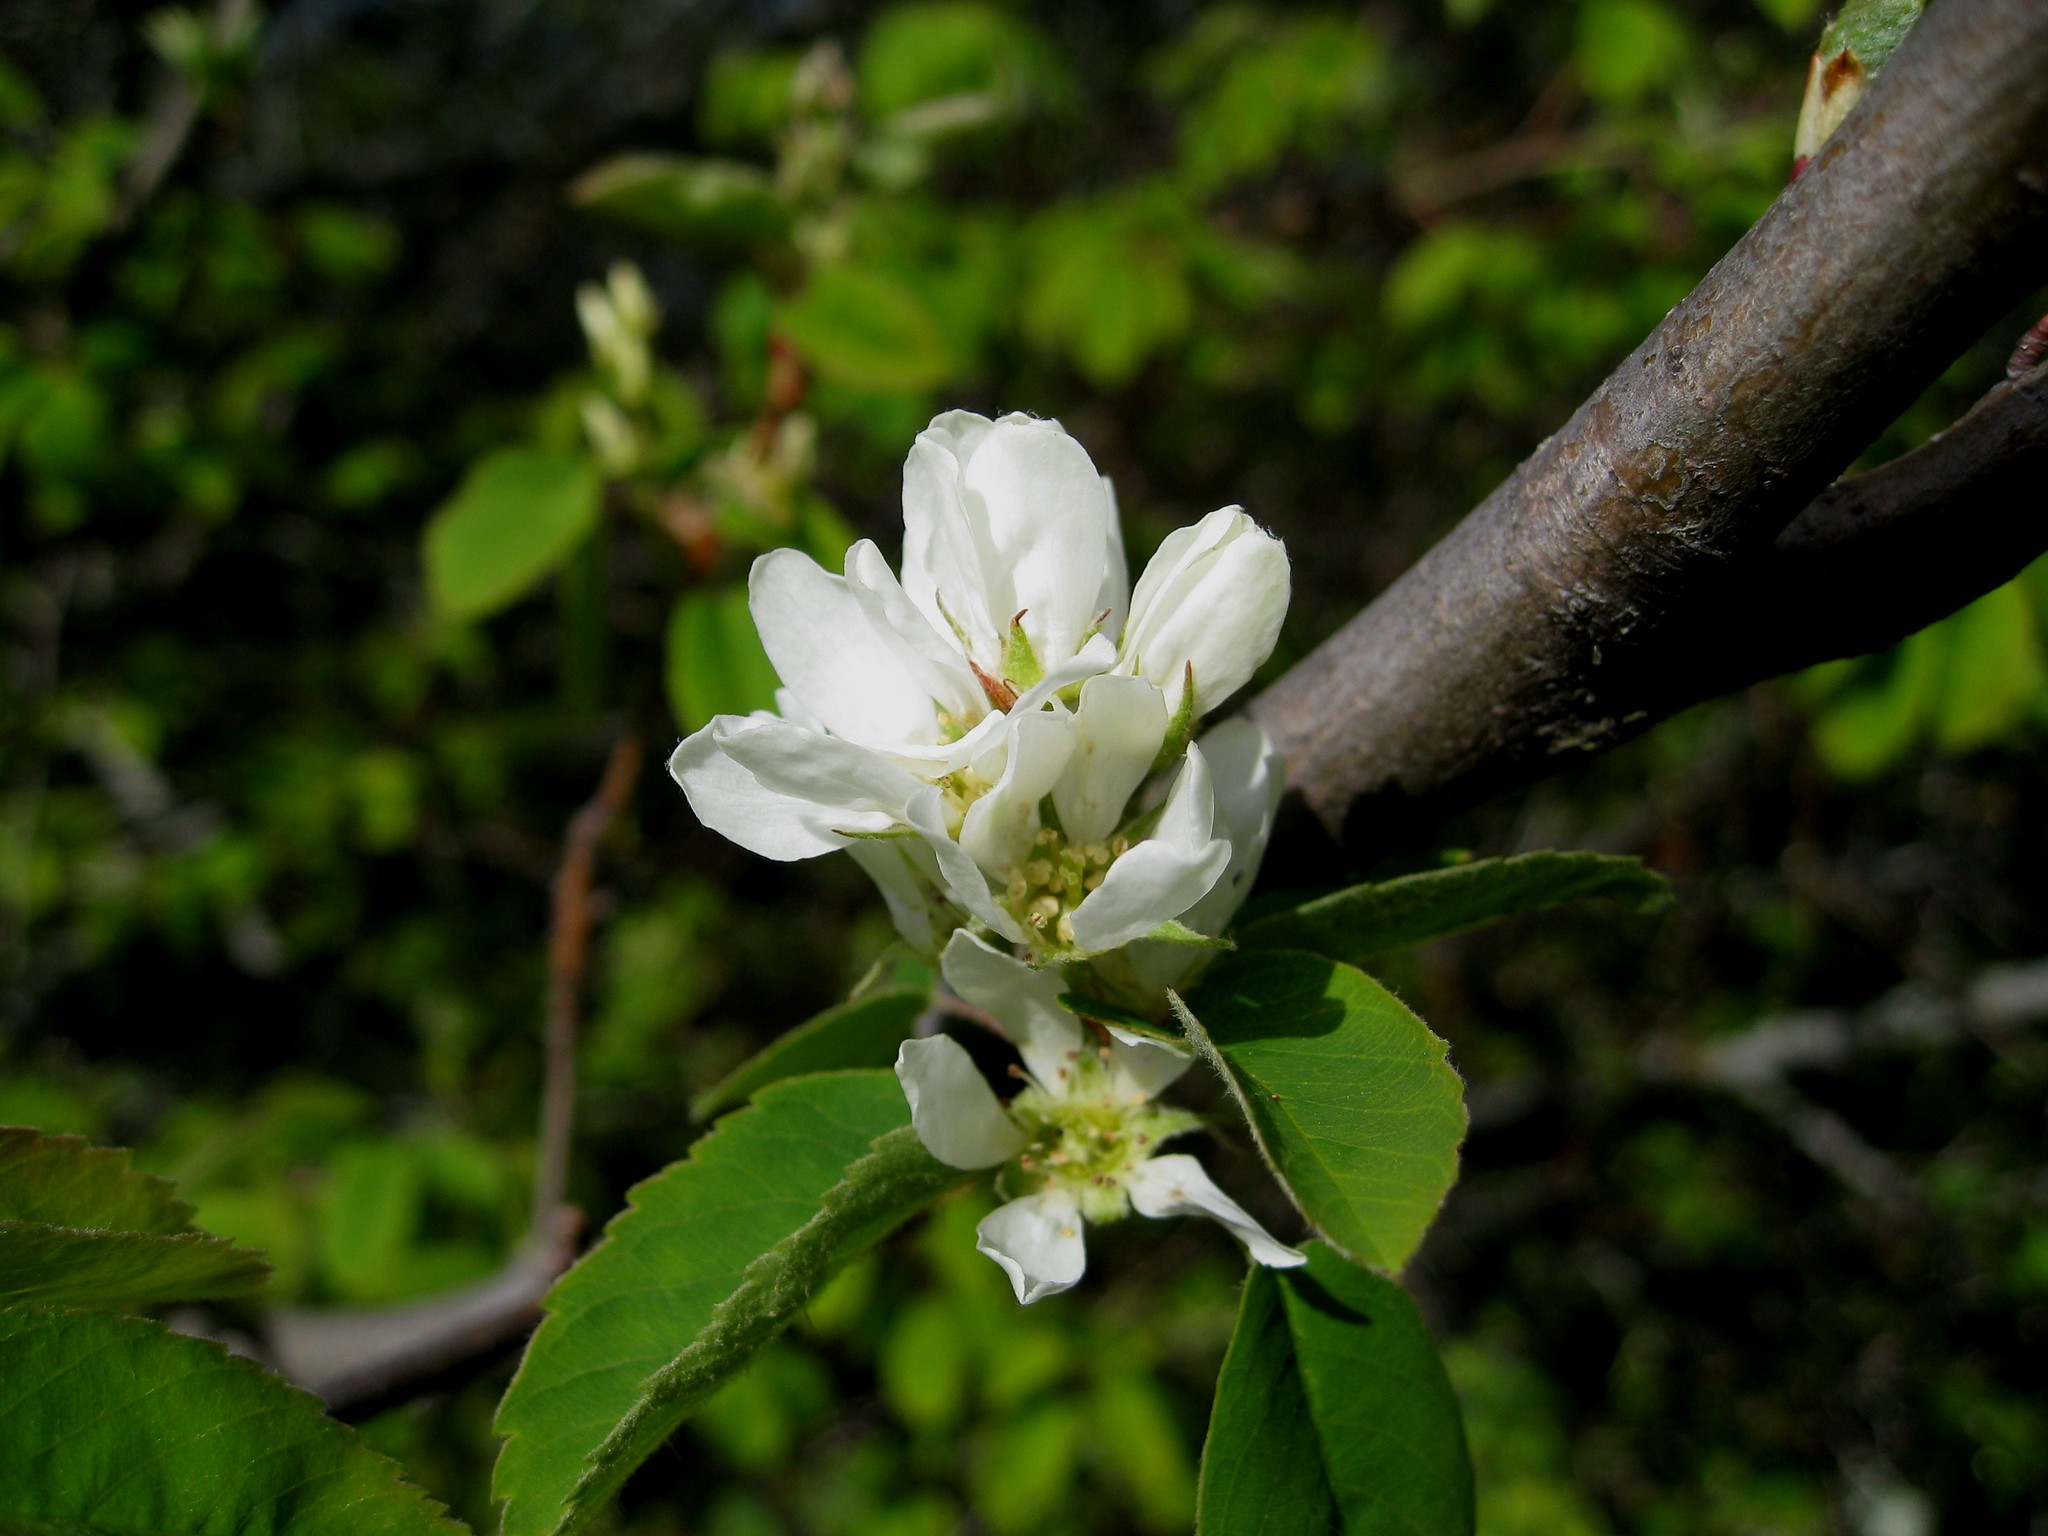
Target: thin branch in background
x,y
362,1360
568,949
1756,1066
176,114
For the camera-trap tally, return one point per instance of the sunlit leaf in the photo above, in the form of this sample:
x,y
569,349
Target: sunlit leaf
x,y
866,330
1364,921
114,1426
915,55
1348,1094
1995,678
1627,48
517,515
686,198
710,1261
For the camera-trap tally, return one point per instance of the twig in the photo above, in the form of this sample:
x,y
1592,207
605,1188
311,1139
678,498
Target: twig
x,y
361,1360
1549,623
176,114
568,948
1756,1065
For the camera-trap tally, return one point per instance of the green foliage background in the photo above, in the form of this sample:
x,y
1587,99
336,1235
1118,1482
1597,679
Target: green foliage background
x,y
283,774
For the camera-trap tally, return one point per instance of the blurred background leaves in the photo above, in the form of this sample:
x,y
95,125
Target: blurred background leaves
x,y
391,401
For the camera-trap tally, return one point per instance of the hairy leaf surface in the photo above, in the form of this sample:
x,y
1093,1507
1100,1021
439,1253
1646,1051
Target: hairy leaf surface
x,y
711,1260
1357,924
1348,1094
115,1426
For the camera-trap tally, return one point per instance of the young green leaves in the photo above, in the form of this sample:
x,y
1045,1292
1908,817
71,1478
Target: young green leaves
x,y
711,1260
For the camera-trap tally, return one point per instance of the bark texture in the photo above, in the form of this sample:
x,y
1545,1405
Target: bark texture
x,y
1568,611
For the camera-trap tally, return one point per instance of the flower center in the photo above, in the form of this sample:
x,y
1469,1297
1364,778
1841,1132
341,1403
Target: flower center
x,y
1088,1140
1043,893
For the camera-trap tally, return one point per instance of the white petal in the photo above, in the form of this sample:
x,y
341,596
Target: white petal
x,y
1025,1002
932,658
964,883
1177,1185
1118,729
1037,1240
1114,595
828,654
1142,1068
954,1111
999,827
987,738
916,904
859,787
1045,521
785,792
1248,779
1163,876
1213,596
943,561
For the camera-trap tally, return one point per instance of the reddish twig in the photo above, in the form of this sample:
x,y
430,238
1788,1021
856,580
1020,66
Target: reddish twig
x,y
568,948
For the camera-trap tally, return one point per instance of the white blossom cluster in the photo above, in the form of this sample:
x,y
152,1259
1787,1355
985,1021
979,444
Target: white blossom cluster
x,y
1006,740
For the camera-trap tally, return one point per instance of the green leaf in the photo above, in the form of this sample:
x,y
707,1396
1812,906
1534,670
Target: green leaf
x,y
1262,1463
716,664
1865,730
1628,48
516,516
65,1182
115,1425
955,50
710,1261
852,1035
686,198
1357,924
1995,678
1348,1094
1333,1413
1870,29
78,1226
1103,1011
866,331
101,1269
1173,931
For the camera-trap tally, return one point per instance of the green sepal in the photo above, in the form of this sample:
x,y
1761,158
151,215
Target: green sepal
x,y
1181,727
1021,669
1174,931
1102,1011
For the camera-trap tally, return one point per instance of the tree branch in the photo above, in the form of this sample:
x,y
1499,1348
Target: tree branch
x,y
568,946
1565,613
361,1360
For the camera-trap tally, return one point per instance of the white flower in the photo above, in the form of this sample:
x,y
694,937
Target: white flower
x,y
1081,1139
951,706
1247,779
1209,608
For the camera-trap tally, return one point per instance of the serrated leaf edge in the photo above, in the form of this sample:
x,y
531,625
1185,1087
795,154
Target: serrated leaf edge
x,y
858,1210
